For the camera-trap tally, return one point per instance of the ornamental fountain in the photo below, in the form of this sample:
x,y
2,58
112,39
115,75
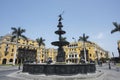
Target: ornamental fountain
x,y
58,68
61,42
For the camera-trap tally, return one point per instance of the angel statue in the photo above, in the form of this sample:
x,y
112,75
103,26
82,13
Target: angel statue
x,y
60,17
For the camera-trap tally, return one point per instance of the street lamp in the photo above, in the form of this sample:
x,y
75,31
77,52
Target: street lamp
x,y
20,57
113,58
96,52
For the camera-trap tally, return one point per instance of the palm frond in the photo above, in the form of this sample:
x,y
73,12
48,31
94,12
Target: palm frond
x,y
87,37
40,41
23,36
12,38
114,30
80,38
17,32
83,38
115,24
117,27
22,30
14,30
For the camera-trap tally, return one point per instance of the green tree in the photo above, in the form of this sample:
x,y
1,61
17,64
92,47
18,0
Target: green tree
x,y
16,34
117,27
84,39
40,42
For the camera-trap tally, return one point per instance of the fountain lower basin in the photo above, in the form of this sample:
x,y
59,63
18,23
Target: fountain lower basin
x,y
59,69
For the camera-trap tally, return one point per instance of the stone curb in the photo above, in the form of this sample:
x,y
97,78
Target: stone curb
x,y
26,76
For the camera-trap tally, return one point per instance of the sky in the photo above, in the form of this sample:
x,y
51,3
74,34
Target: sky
x,y
40,18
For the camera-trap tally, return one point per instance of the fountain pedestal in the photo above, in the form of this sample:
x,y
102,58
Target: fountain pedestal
x,y
61,55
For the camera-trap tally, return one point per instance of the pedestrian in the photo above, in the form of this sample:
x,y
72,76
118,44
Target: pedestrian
x,y
109,65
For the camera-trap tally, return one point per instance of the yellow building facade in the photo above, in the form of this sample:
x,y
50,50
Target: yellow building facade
x,y
29,50
74,52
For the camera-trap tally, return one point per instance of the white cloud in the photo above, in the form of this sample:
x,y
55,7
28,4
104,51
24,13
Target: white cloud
x,y
99,36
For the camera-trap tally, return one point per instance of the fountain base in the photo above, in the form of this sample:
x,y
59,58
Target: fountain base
x,y
59,69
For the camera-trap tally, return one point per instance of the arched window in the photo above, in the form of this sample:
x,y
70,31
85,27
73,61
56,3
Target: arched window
x,y
4,61
11,60
75,55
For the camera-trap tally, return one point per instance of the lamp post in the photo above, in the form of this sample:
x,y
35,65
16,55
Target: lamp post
x,y
96,54
45,56
20,57
76,61
113,58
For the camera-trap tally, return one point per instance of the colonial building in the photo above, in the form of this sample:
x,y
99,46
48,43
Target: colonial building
x,y
7,50
74,52
29,51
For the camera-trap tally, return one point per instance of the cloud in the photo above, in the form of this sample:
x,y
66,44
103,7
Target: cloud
x,y
99,36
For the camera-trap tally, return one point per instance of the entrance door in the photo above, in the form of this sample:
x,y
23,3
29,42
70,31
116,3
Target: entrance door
x,y
4,61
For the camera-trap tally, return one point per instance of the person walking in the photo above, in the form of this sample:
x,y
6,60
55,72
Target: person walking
x,y
109,64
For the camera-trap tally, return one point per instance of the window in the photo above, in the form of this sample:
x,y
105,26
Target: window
x,y
11,54
6,49
6,44
69,55
90,55
12,50
42,55
11,60
75,55
27,42
79,55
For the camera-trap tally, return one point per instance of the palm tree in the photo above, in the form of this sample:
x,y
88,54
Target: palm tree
x,y
16,34
117,27
84,39
40,42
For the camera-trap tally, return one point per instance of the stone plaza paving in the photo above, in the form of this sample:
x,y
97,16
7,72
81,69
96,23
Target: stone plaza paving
x,y
102,73
2,68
